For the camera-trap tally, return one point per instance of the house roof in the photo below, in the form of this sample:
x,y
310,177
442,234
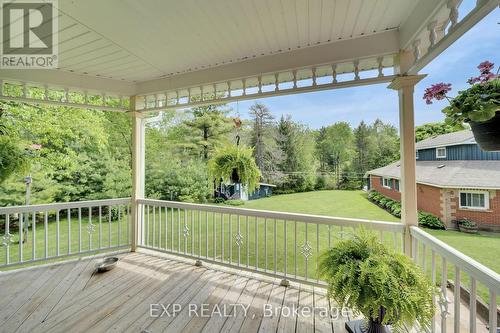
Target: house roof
x,y
450,139
450,174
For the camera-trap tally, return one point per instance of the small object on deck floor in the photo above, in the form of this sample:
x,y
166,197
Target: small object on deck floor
x,y
363,326
107,264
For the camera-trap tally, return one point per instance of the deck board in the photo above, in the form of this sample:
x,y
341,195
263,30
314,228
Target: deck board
x,y
70,296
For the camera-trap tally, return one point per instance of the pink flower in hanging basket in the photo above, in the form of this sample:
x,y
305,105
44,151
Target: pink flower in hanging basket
x,y
436,91
485,67
36,146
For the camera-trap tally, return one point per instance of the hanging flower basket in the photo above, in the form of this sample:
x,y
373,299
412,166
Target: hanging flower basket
x,y
479,105
487,133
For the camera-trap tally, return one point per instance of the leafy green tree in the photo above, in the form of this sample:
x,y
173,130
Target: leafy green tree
x,y
386,140
335,147
433,129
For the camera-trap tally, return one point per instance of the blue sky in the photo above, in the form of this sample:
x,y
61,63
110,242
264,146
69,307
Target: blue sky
x,y
455,65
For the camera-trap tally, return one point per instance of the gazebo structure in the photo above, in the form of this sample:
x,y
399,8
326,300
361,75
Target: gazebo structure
x,y
145,57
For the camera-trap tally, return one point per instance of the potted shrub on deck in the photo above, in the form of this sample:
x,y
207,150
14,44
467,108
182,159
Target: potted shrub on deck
x,y
477,105
388,288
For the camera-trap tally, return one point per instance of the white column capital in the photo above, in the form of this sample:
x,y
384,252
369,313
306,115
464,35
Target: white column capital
x,y
404,81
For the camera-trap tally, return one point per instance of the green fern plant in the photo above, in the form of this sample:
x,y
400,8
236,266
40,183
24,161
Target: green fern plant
x,y
364,275
233,163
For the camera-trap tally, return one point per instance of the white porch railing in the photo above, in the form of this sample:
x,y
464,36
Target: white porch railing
x,y
41,232
436,258
283,245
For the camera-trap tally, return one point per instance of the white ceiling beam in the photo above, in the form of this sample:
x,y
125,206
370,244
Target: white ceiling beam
x,y
63,79
418,20
384,43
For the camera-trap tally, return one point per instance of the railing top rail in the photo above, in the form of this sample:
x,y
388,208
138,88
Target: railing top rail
x,y
63,205
338,221
480,272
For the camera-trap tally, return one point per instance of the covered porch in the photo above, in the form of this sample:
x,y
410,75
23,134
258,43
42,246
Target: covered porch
x,y
271,256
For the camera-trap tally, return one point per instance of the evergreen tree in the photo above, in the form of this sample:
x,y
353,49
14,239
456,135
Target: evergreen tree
x,y
262,120
207,129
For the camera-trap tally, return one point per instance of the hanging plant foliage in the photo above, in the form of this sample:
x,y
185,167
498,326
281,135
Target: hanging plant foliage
x,y
235,164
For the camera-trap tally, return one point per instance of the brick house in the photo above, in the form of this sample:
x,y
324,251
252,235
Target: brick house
x,y
455,180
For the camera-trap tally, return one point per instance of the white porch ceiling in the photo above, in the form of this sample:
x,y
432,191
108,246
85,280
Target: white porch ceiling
x,y
129,47
142,40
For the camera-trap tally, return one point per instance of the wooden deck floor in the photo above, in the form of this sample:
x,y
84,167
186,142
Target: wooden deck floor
x,y
70,297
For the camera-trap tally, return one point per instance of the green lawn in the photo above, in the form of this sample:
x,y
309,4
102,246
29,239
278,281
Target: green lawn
x,y
329,203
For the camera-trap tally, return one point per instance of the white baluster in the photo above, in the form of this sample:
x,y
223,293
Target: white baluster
x,y
260,84
472,305
453,6
228,88
493,312
276,82
215,91
416,49
456,317
189,95
46,92
294,73
177,97
314,76
432,32
85,97
380,66
25,90
201,94
356,69
1,87
334,73
244,83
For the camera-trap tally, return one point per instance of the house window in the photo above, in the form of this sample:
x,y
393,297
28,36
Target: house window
x,y
474,200
386,182
396,184
441,152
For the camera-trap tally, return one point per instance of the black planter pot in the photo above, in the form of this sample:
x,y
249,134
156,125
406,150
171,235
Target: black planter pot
x,y
487,133
368,326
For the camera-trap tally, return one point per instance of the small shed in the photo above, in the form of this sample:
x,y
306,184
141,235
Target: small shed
x,y
237,191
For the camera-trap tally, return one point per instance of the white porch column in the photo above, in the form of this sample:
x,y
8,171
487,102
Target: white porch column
x,y
405,84
138,157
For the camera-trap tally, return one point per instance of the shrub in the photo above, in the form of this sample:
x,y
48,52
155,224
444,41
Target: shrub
x,y
364,275
236,202
467,223
389,204
430,221
383,201
219,200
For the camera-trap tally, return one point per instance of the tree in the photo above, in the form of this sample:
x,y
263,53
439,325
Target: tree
x,y
297,166
433,129
260,136
363,148
206,130
335,147
386,140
